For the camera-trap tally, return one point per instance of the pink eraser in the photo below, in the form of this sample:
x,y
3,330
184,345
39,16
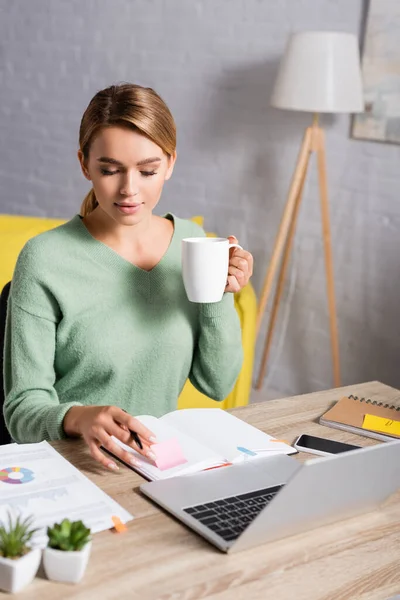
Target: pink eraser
x,y
168,454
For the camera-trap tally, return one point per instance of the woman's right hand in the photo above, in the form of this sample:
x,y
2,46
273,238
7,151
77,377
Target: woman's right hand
x,y
96,424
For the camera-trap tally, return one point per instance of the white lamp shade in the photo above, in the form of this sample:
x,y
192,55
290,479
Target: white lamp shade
x,y
320,72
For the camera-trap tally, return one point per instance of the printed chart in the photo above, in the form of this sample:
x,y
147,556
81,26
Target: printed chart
x,y
16,475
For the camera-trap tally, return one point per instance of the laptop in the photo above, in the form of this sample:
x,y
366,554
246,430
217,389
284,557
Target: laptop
x,y
248,504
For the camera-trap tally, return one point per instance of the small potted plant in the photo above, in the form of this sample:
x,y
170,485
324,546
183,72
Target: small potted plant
x,y
18,561
67,553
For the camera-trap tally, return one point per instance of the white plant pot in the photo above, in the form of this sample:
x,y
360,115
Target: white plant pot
x,y
68,567
15,574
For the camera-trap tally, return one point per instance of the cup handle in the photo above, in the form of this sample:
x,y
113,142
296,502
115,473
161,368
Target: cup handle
x,y
235,246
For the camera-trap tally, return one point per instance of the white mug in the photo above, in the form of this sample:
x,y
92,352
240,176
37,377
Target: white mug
x,y
205,264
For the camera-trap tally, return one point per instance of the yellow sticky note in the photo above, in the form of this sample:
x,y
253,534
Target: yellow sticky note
x,y
381,424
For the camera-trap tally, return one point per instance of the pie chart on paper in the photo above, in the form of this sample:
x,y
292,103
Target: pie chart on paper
x,y
16,475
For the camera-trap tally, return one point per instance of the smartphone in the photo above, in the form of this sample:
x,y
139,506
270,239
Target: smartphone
x,y
321,446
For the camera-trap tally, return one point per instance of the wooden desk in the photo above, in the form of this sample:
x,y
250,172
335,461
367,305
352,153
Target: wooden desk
x,y
158,558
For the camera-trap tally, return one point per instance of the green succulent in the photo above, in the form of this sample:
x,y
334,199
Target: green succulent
x,y
68,535
15,536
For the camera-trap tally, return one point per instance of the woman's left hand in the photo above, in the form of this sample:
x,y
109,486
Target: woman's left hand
x,y
240,267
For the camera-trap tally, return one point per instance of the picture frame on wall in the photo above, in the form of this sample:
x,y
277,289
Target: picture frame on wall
x,y
381,75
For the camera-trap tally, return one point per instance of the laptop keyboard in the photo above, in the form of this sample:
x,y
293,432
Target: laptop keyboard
x,y
229,517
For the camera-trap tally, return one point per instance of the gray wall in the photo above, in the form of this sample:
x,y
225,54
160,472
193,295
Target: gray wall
x,y
214,62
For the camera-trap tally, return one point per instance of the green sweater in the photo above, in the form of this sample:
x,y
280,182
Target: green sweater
x,y
87,327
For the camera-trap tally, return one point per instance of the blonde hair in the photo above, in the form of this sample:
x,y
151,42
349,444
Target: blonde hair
x,y
126,105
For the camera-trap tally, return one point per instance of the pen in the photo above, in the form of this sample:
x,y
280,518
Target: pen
x,y
136,438
135,435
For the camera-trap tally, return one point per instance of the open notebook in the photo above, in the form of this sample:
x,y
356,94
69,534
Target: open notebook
x,y
208,437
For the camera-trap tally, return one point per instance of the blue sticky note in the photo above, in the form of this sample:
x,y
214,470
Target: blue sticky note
x,y
246,451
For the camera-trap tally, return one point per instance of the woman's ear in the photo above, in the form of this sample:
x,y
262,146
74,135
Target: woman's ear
x,y
83,166
171,164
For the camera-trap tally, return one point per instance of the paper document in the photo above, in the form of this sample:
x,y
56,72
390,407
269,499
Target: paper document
x,y
36,480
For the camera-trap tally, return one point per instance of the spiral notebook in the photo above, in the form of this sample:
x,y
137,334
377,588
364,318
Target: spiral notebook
x,y
352,413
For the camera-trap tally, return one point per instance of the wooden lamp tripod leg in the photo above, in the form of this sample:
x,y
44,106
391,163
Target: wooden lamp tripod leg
x,y
313,141
288,222
297,179
323,188
281,282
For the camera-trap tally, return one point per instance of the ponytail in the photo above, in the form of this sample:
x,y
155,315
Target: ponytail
x,y
89,203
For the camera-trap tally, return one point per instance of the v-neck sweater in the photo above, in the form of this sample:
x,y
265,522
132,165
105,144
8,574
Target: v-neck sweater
x,y
87,327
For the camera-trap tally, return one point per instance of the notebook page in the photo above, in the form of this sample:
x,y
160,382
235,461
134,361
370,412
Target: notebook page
x,y
198,456
224,433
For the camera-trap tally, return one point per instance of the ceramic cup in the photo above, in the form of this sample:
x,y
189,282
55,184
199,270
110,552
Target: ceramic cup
x,y
205,264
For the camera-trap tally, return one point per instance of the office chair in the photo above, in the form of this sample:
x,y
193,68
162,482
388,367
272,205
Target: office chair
x,y
5,437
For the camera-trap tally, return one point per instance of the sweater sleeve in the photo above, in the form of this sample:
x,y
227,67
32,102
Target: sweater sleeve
x,y
218,354
32,409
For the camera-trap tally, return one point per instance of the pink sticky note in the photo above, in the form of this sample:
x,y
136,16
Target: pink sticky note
x,y
168,454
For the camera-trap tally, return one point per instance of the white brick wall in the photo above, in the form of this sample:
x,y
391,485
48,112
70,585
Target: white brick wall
x,y
214,62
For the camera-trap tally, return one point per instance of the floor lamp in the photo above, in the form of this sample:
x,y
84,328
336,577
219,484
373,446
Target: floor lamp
x,y
319,73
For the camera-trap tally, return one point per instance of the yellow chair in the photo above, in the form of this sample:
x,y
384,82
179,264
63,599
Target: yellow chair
x,y
15,231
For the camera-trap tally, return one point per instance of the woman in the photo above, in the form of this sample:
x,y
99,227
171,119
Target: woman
x,y
99,326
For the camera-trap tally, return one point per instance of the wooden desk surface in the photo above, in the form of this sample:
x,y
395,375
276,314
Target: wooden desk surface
x,y
158,558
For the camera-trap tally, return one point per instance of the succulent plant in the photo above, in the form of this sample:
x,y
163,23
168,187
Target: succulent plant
x,y
68,535
14,537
